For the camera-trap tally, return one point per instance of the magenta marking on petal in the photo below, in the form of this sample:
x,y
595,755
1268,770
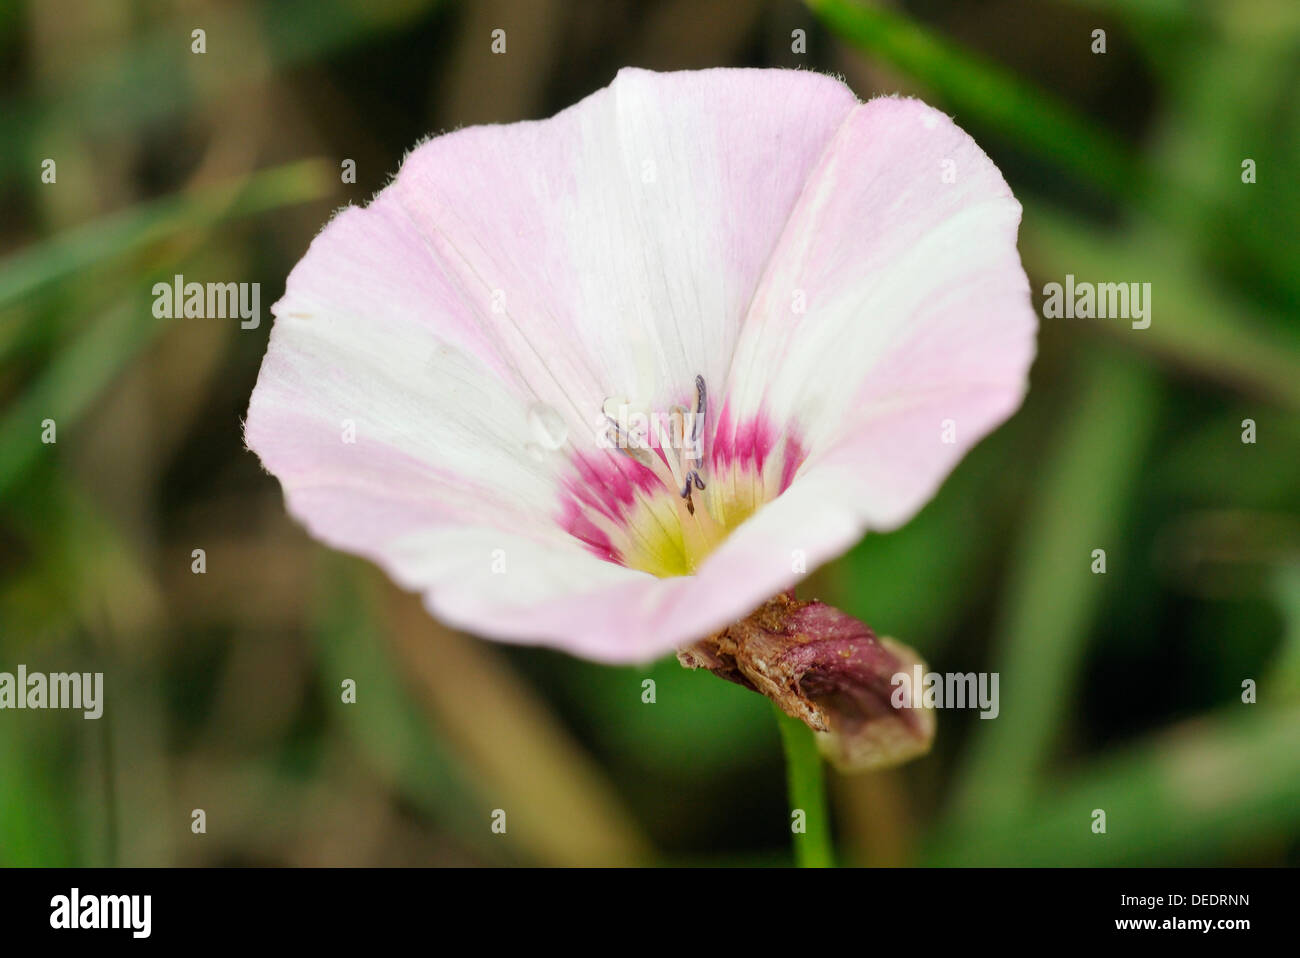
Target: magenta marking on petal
x,y
581,494
590,489
765,433
754,441
747,443
743,447
604,485
795,454
629,475
613,476
575,522
721,448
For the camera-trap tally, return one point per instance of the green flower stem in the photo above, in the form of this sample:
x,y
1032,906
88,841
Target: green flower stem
x,y
807,787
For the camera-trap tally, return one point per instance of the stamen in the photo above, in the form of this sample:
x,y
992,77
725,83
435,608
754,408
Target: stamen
x,y
701,410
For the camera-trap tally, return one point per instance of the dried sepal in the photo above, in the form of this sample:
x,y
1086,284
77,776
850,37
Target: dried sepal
x,y
827,669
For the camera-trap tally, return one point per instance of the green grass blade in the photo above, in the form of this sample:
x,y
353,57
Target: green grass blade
x,y
1054,593
972,85
61,257
1212,790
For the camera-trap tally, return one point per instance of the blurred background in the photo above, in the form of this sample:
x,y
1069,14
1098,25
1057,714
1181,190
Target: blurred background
x,y
1120,692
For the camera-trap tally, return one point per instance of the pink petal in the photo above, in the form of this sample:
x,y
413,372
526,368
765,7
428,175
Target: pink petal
x,y
917,310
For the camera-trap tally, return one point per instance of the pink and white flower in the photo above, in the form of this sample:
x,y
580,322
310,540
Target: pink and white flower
x,y
615,378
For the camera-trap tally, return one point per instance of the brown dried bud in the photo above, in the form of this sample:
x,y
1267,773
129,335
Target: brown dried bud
x,y
829,670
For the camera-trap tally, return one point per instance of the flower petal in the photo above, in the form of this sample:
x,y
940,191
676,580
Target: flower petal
x,y
915,342
894,302
507,282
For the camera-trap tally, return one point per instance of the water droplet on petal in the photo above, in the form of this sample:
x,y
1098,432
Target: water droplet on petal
x,y
548,426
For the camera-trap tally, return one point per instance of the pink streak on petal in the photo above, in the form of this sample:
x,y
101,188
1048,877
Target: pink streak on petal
x,y
721,449
794,455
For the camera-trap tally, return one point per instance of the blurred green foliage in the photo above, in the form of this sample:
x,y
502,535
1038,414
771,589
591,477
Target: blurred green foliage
x,y
1121,692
